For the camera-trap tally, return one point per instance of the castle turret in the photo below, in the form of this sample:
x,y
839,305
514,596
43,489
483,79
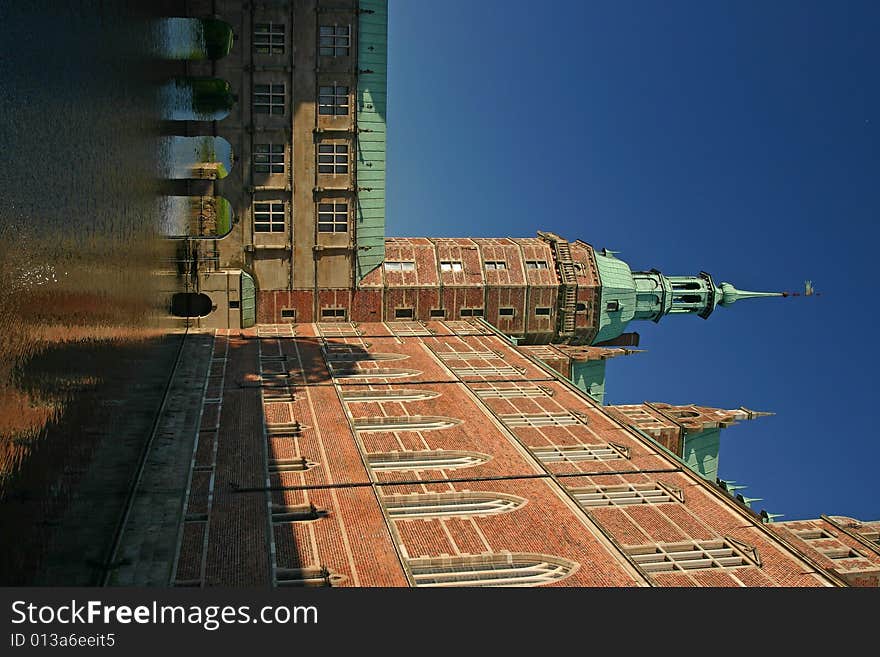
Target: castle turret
x,y
650,295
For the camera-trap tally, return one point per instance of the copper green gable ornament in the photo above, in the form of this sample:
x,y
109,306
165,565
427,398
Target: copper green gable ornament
x,y
627,295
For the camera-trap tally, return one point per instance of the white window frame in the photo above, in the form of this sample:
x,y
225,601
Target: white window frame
x,y
269,219
333,159
333,99
451,265
270,98
271,40
269,158
333,219
400,265
334,38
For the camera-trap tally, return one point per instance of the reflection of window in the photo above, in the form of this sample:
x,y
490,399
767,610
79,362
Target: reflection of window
x,y
399,266
269,38
268,158
333,100
450,265
269,99
335,40
496,264
268,217
333,158
333,217
536,264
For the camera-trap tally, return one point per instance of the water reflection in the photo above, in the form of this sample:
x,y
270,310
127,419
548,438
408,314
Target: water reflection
x,y
86,341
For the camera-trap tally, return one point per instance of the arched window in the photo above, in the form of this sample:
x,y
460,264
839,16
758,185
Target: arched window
x,y
441,459
442,505
687,298
491,570
400,395
403,423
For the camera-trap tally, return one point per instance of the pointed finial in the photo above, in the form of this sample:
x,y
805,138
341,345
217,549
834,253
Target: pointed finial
x,y
770,517
730,295
751,415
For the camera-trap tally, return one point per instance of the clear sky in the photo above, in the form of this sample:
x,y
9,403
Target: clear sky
x,y
739,138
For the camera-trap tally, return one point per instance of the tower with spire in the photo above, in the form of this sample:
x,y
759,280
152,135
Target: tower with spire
x,y
650,295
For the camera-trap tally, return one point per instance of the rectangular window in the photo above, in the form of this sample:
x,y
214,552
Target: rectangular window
x,y
622,495
269,99
269,38
269,217
336,313
403,313
580,307
399,266
505,312
333,158
450,265
335,40
333,100
438,313
687,556
542,311
234,304
496,264
288,313
268,158
612,306
812,534
840,553
333,217
471,312
536,264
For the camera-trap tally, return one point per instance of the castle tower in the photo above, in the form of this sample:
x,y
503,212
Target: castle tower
x,y
650,295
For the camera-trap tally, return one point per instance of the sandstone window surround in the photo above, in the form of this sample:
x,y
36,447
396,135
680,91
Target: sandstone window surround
x,y
503,569
694,555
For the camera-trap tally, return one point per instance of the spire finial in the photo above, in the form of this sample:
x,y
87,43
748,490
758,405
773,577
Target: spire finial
x,y
730,295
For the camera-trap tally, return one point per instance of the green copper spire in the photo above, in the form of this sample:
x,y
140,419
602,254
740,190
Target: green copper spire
x,y
730,295
628,295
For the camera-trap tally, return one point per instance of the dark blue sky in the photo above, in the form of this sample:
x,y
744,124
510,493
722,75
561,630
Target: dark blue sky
x,y
739,138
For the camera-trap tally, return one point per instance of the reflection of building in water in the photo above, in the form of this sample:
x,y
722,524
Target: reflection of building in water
x,y
549,485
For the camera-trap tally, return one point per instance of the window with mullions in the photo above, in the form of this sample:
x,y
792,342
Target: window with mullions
x,y
536,264
269,38
496,264
335,40
400,266
333,217
333,100
687,556
333,158
268,217
490,570
268,158
269,99
450,265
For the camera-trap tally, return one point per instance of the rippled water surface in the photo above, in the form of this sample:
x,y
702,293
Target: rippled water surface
x,y
86,348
